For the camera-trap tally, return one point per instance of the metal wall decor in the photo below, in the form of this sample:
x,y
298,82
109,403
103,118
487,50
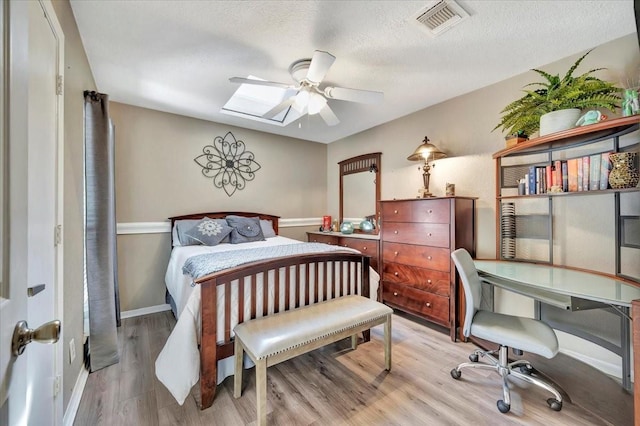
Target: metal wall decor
x,y
228,163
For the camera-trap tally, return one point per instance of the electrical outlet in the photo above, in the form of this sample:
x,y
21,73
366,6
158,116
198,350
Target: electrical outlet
x,y
72,350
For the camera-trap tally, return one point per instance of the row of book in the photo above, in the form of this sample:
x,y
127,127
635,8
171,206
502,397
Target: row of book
x,y
589,173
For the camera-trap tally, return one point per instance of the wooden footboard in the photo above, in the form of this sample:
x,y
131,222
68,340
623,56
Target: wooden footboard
x,y
291,282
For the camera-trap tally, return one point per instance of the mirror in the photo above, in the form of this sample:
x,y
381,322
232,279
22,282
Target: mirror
x,y
360,188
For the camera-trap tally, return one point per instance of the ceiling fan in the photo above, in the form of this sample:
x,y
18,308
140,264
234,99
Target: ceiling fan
x,y
310,98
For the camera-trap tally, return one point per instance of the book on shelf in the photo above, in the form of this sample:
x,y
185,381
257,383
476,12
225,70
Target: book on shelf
x,y
594,172
541,187
605,166
557,174
580,176
532,180
572,174
548,178
565,177
585,173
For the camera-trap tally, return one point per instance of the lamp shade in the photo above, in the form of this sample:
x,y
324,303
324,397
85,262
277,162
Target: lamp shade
x,y
426,151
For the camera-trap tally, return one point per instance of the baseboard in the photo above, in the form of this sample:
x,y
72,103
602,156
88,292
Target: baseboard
x,y
145,311
613,370
76,397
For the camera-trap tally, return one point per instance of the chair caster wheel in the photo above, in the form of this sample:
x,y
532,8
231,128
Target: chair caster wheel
x,y
473,357
456,374
527,369
503,407
554,404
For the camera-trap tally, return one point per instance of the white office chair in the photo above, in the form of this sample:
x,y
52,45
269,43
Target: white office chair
x,y
519,333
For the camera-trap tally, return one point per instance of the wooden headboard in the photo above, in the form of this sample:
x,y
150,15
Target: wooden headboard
x,y
222,215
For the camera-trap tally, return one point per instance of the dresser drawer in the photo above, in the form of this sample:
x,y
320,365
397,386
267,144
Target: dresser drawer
x,y
422,256
423,279
319,238
432,306
429,234
430,211
364,246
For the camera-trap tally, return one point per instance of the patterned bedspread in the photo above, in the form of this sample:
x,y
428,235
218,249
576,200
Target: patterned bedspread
x,y
208,263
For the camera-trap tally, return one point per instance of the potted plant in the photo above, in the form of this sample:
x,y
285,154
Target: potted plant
x,y
558,94
515,138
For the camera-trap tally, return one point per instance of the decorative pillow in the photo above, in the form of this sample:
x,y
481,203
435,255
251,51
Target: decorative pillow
x,y
267,228
208,232
179,229
245,229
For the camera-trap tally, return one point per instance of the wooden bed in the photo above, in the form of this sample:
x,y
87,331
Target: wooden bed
x,y
286,269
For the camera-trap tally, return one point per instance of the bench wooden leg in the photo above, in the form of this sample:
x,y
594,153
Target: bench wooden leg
x,y
387,343
261,391
237,377
354,342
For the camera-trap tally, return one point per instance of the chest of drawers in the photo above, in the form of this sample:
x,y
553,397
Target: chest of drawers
x,y
417,238
365,243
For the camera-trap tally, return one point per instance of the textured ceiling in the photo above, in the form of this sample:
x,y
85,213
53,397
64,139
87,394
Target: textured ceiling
x,y
178,56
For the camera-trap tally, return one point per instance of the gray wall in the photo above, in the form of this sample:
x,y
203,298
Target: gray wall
x,y
78,77
462,127
156,178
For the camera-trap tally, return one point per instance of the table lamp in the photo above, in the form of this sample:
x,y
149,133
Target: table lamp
x,y
426,152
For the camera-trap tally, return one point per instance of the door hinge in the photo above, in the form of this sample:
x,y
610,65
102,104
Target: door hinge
x,y
56,386
57,239
59,84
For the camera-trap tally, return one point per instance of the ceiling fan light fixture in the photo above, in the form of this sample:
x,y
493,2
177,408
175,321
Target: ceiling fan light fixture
x,y
316,103
301,101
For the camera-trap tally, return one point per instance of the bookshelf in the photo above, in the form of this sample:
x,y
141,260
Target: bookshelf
x,y
596,231
526,223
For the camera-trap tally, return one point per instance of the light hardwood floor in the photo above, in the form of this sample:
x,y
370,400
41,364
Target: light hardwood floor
x,y
337,386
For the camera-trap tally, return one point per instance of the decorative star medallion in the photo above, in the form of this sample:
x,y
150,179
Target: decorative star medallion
x,y
228,163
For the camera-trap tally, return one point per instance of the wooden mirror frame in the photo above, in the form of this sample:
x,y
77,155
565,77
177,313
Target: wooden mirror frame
x,y
363,163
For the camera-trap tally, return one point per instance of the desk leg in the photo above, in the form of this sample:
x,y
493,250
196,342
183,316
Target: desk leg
x,y
635,316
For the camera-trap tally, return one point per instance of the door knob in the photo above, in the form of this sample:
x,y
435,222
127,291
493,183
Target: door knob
x,y
23,335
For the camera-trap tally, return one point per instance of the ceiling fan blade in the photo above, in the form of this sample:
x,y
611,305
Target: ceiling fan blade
x,y
354,95
279,108
258,82
328,116
320,64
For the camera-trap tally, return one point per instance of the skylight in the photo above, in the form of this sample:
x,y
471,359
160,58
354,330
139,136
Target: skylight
x,y
252,101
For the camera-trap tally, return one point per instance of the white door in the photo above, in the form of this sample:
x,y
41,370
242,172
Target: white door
x,y
31,211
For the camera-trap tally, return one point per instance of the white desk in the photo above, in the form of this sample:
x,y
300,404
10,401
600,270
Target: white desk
x,y
566,289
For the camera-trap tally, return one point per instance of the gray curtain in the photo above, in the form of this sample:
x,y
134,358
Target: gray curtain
x,y
100,232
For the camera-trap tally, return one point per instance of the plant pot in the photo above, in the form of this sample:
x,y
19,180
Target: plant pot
x,y
557,121
514,140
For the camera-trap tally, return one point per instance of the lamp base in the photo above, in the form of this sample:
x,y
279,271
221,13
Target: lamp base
x,y
424,193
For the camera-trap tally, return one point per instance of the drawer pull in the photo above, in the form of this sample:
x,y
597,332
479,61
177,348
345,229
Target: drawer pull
x,y
395,273
428,281
428,305
430,211
364,248
429,234
395,232
428,257
395,212
395,293
395,253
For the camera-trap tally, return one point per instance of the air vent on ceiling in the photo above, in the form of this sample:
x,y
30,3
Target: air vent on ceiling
x,y
440,17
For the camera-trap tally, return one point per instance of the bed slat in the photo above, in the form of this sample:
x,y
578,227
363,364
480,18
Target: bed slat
x,y
349,272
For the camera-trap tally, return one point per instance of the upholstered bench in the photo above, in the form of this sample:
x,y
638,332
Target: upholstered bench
x,y
275,338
